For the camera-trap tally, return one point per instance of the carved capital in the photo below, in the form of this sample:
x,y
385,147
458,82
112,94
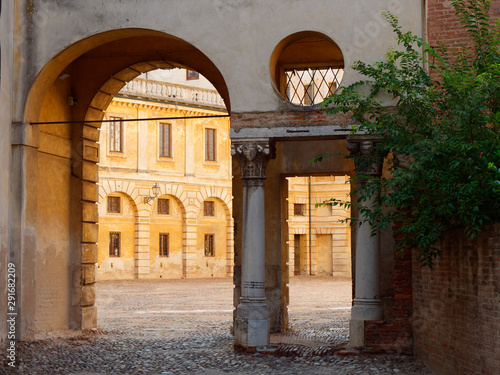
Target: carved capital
x,y
253,155
367,162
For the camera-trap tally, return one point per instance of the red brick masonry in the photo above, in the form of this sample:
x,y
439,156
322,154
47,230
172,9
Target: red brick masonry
x,y
395,335
457,306
443,25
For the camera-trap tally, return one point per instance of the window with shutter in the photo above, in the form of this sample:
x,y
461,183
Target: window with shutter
x,y
163,206
164,245
114,205
114,244
209,245
115,134
208,208
210,142
165,141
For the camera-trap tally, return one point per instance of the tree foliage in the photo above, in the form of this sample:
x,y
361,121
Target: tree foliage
x,y
441,135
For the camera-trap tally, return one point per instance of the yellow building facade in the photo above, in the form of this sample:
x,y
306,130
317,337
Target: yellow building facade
x,y
165,205
319,238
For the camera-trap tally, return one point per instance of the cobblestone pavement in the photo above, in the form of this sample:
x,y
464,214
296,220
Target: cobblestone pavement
x,y
182,327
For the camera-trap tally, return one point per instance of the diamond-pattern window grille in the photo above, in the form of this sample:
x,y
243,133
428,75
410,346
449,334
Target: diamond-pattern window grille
x,y
309,86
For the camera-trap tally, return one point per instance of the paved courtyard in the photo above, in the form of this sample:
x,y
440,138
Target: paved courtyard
x,y
183,327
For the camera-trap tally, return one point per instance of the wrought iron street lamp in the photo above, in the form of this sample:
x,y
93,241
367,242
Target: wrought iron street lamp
x,y
156,192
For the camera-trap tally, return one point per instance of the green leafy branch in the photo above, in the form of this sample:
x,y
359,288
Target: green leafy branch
x,y
441,132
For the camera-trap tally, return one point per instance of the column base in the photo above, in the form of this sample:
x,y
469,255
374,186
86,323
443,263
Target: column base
x,y
362,310
251,326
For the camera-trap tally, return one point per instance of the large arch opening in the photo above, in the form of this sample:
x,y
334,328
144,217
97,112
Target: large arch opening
x,y
66,104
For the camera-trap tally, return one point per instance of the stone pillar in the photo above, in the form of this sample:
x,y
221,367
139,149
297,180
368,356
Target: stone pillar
x,y
142,141
23,225
230,248
252,318
190,244
366,303
142,239
90,217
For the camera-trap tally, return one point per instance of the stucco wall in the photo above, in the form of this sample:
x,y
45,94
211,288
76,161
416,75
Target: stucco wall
x,y
121,267
223,33
6,73
53,287
167,267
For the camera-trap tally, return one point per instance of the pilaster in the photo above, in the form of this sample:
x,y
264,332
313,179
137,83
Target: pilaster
x,y
142,243
189,248
89,177
23,224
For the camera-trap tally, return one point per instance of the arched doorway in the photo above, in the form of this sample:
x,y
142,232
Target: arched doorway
x,y
63,114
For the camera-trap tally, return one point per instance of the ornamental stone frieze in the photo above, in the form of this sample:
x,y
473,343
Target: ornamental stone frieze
x,y
253,156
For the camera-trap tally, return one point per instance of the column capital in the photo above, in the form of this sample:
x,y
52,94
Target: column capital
x,y
253,155
361,148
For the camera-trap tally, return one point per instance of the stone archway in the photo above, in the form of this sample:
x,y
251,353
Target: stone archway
x,y
59,139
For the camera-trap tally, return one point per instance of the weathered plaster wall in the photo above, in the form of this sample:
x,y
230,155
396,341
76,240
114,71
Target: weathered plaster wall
x,y
167,267
53,287
121,267
223,35
6,76
217,225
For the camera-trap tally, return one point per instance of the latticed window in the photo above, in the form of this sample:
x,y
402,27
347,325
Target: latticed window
x,y
332,87
114,205
163,206
209,245
116,134
208,208
164,245
299,209
309,94
210,144
165,140
114,244
309,86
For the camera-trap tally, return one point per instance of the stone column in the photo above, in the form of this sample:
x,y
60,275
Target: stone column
x,y
366,303
252,318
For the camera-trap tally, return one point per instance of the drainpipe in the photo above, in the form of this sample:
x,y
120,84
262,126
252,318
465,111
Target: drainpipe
x,y
310,229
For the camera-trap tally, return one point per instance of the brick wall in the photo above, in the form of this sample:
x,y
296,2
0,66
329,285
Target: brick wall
x,y
443,25
457,306
395,333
